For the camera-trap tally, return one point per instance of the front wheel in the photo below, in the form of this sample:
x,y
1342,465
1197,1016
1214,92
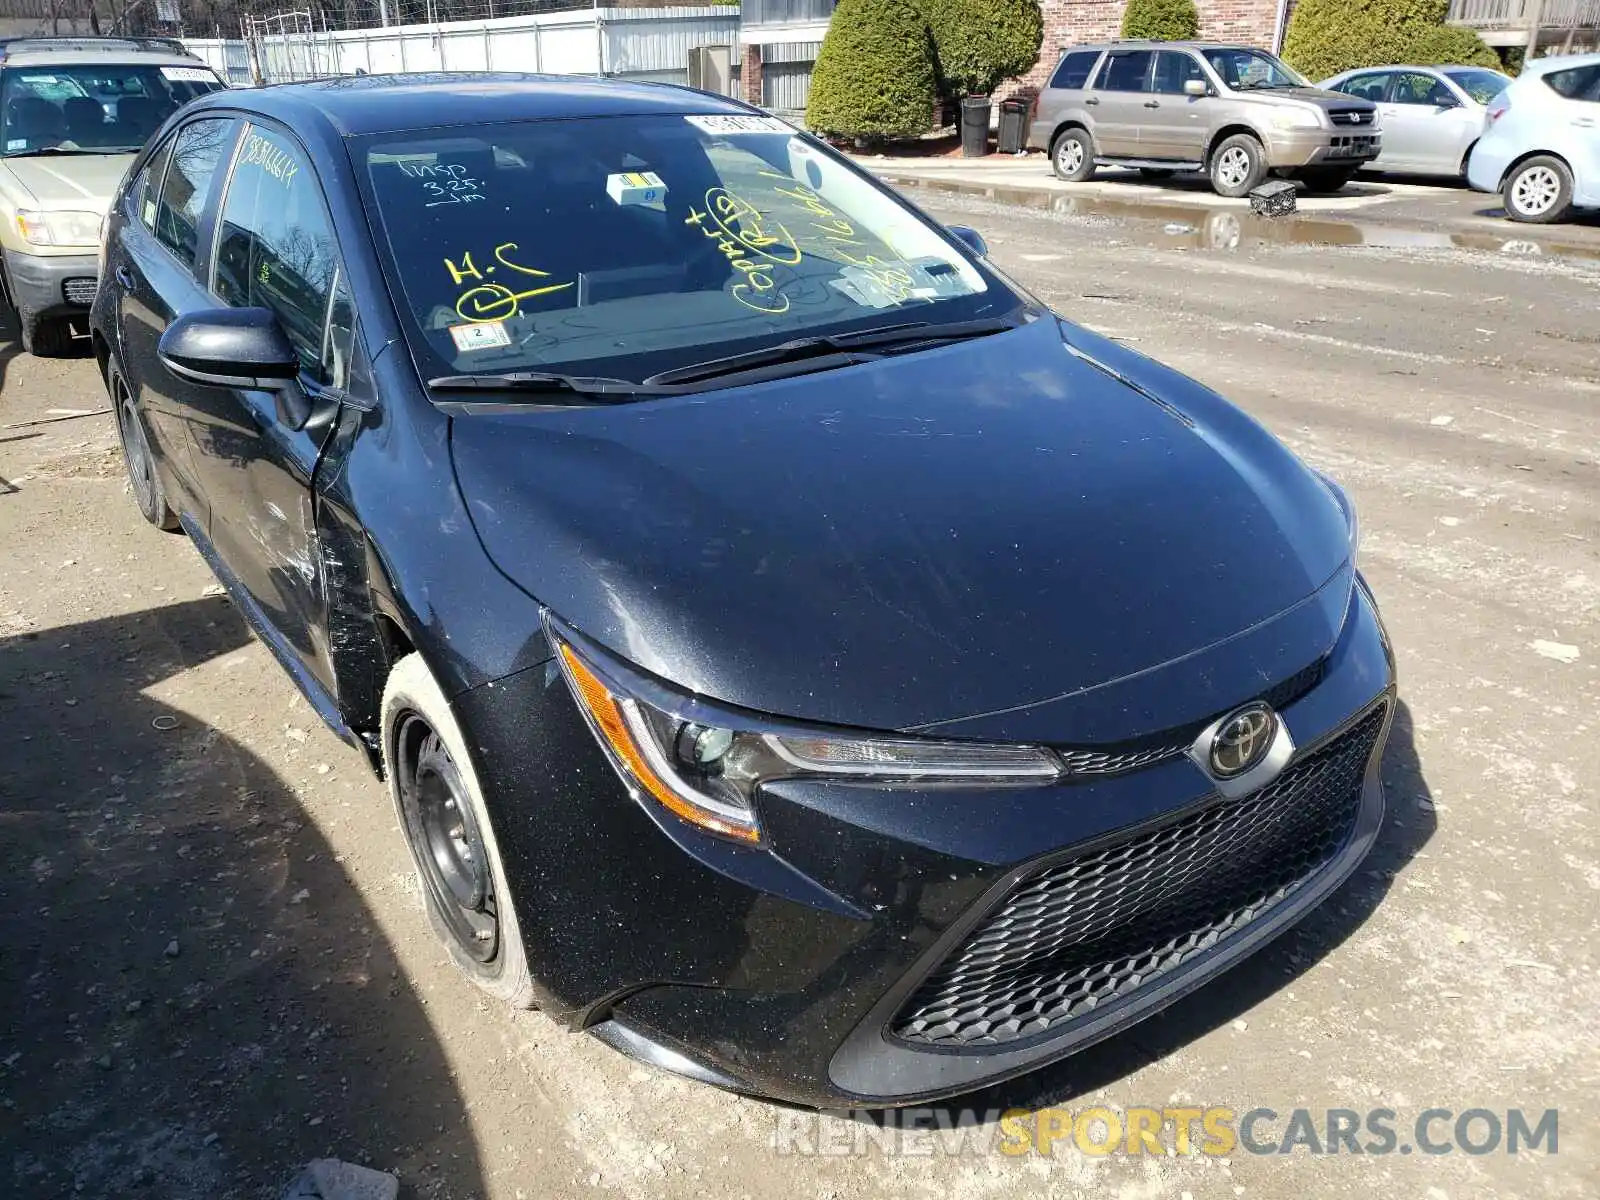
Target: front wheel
x,y
1237,166
1072,157
1538,191
447,827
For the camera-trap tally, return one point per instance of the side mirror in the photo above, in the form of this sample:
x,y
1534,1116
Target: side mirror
x,y
1196,87
230,347
971,239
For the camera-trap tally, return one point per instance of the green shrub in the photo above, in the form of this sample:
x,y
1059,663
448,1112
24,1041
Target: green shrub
x,y
980,43
874,75
1329,36
1161,20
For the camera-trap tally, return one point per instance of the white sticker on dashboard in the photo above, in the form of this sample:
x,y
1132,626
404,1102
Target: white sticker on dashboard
x,y
479,335
189,74
725,125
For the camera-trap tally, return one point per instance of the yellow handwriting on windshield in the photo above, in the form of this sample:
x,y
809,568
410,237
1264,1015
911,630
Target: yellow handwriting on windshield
x,y
836,233
490,301
752,246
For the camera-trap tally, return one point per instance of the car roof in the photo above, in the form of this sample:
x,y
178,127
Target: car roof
x,y
1557,62
1150,44
63,51
363,104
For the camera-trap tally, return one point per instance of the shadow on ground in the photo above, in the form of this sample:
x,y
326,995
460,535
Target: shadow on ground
x,y
1409,824
195,999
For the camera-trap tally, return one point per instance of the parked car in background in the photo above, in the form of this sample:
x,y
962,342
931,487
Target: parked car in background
x,y
1234,112
1541,151
73,112
680,518
1431,116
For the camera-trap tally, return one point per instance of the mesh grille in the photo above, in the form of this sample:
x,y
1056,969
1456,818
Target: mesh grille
x,y
1106,923
79,291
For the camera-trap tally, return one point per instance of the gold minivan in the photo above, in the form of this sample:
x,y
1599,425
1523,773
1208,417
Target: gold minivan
x,y
73,112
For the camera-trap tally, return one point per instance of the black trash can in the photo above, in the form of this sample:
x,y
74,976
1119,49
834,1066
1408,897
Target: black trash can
x,y
975,126
1013,126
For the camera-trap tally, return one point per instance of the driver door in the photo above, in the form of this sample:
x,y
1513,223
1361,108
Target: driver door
x,y
275,249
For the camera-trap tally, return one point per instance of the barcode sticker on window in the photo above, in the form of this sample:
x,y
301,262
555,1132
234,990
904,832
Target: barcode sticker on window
x,y
726,125
189,74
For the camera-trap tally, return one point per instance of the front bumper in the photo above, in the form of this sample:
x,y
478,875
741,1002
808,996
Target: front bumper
x,y
1323,148
787,971
49,285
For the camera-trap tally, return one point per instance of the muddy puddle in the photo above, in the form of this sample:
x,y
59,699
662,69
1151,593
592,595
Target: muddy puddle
x,y
1189,227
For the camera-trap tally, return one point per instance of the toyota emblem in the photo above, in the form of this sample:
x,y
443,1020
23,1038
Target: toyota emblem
x,y
1242,740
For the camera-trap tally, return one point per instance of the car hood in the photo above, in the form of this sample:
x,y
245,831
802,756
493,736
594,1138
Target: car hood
x,y
984,528
82,182
1321,97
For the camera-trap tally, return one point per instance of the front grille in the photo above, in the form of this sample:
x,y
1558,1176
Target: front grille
x,y
1353,116
1113,761
1349,146
1078,934
80,291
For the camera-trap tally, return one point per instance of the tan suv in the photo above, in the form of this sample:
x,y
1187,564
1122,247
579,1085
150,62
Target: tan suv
x,y
73,112
1234,112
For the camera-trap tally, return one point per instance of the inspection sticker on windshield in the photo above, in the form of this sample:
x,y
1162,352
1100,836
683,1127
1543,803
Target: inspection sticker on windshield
x,y
480,335
733,125
189,74
636,187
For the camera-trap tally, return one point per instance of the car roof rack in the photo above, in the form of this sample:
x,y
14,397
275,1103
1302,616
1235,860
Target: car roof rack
x,y
9,45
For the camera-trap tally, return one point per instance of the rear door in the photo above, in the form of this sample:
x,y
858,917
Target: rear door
x,y
152,268
1576,127
1117,102
1175,122
275,249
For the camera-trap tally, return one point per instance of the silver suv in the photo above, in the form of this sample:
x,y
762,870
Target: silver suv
x,y
1232,111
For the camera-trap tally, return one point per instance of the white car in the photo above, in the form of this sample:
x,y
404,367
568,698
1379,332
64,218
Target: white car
x,y
1430,116
1541,151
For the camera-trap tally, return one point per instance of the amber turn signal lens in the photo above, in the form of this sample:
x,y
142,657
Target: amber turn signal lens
x,y
605,712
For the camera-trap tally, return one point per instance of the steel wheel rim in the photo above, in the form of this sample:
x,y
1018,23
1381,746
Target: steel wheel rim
x,y
136,451
1535,191
445,839
1070,156
1233,168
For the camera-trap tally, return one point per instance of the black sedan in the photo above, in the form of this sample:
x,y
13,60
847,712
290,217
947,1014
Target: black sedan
x,y
796,655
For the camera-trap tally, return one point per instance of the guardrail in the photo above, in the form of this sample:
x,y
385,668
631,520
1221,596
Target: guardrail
x,y
1517,14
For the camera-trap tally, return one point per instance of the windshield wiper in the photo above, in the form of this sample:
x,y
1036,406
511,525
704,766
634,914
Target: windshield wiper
x,y
837,346
540,381
58,150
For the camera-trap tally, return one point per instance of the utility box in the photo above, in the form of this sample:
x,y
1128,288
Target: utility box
x,y
1275,198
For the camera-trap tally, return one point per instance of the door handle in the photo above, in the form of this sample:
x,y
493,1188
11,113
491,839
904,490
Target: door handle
x,y
1583,122
1152,104
1091,100
124,277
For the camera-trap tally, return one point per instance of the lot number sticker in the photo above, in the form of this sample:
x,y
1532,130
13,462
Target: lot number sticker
x,y
480,335
732,126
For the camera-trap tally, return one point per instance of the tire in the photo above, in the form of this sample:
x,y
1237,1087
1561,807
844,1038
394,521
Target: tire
x,y
1237,165
137,459
46,337
1538,191
446,825
1327,179
1157,172
1072,156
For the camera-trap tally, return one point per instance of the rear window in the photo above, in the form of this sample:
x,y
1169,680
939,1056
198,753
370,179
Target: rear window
x,y
1073,72
625,246
92,108
1576,83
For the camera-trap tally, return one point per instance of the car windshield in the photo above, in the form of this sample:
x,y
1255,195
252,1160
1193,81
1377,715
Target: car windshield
x,y
1243,69
1482,85
95,108
628,246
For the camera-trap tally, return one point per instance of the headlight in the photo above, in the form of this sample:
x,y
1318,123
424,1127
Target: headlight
x,y
705,769
59,228
1295,118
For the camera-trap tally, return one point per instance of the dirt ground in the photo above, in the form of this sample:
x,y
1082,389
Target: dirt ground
x,y
214,964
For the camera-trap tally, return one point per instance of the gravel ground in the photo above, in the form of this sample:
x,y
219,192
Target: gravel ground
x,y
214,964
